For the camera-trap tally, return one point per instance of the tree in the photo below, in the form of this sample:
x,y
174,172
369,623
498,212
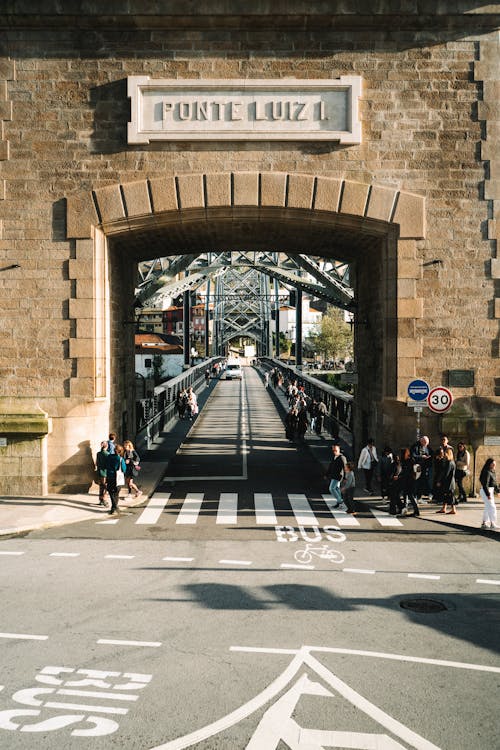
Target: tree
x,y
334,340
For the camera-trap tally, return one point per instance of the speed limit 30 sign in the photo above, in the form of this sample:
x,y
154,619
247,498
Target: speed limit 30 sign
x,y
439,399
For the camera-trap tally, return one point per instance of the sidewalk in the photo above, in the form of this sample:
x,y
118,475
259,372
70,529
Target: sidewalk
x,y
23,514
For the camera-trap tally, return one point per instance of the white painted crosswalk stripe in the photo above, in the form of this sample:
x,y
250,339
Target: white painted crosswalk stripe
x,y
264,509
190,508
228,508
302,510
154,508
342,518
385,519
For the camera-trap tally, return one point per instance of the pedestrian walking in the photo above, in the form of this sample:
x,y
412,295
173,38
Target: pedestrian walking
x,y
115,469
335,473
132,462
407,482
368,461
447,482
101,469
385,471
347,486
488,481
462,470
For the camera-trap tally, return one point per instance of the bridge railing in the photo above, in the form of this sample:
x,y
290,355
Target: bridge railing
x,y
155,414
338,403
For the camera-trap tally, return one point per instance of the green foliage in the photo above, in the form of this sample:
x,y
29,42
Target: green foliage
x,y
334,339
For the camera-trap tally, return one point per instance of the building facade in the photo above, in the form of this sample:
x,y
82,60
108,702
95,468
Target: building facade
x,y
369,135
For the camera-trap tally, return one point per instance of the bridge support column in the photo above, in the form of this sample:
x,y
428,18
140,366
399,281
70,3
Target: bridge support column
x,y
186,320
298,328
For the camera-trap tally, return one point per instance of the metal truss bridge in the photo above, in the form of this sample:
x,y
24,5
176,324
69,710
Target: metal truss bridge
x,y
242,288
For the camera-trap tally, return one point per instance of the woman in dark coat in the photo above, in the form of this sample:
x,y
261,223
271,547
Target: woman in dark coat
x,y
447,482
291,423
394,487
407,480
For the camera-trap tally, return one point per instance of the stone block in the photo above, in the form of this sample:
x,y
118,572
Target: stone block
x,y
191,192
327,194
410,308
81,215
85,328
84,288
410,215
408,269
83,387
246,189
4,150
406,288
7,70
354,196
5,110
85,250
110,203
380,203
81,308
410,347
493,229
406,367
163,194
218,189
497,307
488,110
300,190
407,249
80,269
81,348
495,268
85,366
273,189
491,189
136,196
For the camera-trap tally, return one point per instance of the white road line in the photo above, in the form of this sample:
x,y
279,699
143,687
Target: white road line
x,y
302,510
84,707
488,580
99,694
264,509
385,519
424,575
24,636
235,562
110,642
110,522
358,570
178,559
154,508
64,554
297,567
228,508
5,552
119,557
342,518
190,508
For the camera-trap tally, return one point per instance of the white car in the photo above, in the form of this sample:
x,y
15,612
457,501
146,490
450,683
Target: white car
x,y
233,372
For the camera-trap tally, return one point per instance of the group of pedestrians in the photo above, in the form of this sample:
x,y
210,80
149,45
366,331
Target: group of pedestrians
x,y
116,465
186,403
412,474
304,413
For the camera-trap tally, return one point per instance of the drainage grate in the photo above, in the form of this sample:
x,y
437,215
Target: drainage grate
x,y
423,605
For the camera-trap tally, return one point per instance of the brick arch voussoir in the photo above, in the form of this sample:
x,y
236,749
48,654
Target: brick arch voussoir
x,y
136,200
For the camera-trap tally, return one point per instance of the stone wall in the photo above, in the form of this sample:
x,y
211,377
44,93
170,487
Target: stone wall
x,y
430,96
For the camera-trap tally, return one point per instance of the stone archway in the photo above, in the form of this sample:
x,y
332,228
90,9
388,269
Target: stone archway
x,y
186,205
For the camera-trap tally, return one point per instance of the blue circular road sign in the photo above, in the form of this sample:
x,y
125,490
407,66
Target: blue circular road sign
x,y
418,390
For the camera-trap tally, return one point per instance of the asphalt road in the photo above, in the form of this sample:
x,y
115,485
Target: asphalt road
x,y
196,621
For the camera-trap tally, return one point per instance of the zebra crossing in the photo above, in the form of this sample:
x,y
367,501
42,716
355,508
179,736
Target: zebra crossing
x,y
194,507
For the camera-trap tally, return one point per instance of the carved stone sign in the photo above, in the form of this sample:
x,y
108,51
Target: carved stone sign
x,y
278,110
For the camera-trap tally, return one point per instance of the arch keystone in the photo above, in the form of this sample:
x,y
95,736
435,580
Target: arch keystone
x,y
218,189
246,188
300,190
191,192
273,189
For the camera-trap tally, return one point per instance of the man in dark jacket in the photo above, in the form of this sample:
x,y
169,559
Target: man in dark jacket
x,y
335,473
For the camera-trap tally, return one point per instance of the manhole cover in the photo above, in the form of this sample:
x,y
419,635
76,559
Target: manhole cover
x,y
423,605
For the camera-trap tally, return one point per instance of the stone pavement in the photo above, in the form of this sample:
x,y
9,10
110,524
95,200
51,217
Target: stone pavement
x,y
22,514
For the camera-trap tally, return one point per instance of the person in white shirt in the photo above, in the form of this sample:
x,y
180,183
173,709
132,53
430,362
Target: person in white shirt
x,y
368,461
